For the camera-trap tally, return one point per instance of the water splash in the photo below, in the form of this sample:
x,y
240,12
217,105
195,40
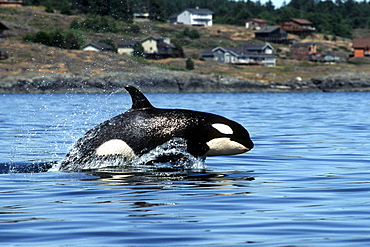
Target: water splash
x,y
22,167
173,155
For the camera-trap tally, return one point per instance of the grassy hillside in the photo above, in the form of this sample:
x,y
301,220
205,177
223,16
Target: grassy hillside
x,y
35,57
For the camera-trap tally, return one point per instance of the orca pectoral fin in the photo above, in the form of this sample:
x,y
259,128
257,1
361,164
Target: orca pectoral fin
x,y
139,101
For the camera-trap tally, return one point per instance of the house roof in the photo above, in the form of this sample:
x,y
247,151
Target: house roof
x,y
152,38
256,46
302,21
257,20
165,45
198,11
303,44
207,53
267,29
127,43
99,46
246,49
8,2
361,43
3,26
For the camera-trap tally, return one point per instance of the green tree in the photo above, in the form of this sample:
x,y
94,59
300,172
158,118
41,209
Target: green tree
x,y
110,43
138,50
191,33
58,38
96,23
189,64
178,47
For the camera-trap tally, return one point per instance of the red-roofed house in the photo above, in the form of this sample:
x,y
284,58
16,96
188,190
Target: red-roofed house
x,y
361,47
298,27
11,3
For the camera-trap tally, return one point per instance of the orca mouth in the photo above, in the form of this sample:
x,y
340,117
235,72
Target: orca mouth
x,y
248,145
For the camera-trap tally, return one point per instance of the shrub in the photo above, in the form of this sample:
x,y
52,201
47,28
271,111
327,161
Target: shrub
x,y
189,64
134,29
63,39
98,24
192,34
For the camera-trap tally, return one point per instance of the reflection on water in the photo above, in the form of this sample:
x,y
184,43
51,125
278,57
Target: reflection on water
x,y
126,177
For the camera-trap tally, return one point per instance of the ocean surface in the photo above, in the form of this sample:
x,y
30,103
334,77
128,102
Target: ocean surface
x,y
306,182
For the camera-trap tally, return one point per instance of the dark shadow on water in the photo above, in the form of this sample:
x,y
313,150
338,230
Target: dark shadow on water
x,y
131,176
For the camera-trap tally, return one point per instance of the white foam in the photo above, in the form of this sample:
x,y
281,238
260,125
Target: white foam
x,y
172,154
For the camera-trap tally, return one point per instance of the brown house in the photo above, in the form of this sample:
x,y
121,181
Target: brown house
x,y
304,51
254,23
272,34
298,27
11,3
361,47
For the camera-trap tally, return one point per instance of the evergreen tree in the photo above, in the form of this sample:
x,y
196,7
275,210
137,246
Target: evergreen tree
x,y
138,50
335,17
189,64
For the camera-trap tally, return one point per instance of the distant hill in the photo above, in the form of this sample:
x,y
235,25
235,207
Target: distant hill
x,y
31,60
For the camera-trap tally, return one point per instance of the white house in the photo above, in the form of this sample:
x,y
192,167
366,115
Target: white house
x,y
248,54
97,47
194,17
126,47
154,47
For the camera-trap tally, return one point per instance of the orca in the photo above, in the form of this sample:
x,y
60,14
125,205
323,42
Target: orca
x,y
144,127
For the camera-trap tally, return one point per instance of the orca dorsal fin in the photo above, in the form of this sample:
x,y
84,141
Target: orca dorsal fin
x,y
139,101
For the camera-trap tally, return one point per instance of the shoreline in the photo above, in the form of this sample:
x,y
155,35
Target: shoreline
x,y
164,81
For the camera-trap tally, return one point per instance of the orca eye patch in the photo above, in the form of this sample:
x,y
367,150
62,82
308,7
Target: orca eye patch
x,y
223,128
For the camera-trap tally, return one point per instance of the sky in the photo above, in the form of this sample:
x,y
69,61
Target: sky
x,y
279,3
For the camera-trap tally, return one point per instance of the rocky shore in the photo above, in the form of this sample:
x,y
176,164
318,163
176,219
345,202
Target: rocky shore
x,y
35,68
156,80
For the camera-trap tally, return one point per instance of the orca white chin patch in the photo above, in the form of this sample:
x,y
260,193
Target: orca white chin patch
x,y
223,128
225,146
116,146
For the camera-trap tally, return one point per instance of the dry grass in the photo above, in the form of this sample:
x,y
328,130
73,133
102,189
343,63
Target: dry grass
x,y
35,57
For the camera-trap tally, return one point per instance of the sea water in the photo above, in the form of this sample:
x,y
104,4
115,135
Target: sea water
x,y
306,182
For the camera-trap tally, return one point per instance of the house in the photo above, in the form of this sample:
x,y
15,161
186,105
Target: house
x,y
361,47
11,3
272,34
297,27
255,24
97,47
208,55
194,17
141,15
126,47
150,45
304,51
248,54
155,48
329,57
166,50
4,55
